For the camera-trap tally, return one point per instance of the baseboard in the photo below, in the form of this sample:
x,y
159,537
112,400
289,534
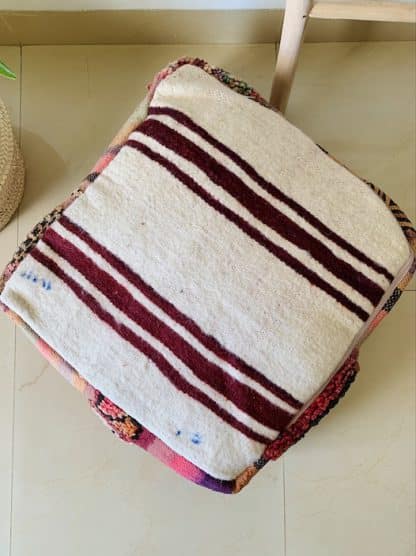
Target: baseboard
x,y
181,27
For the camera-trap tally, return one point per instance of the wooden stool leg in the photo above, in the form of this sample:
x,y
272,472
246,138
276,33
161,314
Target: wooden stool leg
x,y
296,16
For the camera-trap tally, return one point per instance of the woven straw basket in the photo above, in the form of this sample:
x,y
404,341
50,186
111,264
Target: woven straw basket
x,y
11,169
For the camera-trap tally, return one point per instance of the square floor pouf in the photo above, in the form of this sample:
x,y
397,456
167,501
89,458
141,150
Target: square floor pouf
x,y
210,282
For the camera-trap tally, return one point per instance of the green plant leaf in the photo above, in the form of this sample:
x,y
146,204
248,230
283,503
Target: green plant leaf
x,y
6,72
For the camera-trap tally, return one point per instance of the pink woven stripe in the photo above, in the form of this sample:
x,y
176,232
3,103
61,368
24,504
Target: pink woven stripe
x,y
191,326
271,188
250,231
144,347
242,396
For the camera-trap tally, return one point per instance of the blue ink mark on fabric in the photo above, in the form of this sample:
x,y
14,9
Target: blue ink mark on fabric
x,y
196,438
46,284
34,278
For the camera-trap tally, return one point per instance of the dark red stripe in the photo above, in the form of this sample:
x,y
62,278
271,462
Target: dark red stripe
x,y
208,341
271,188
162,364
260,208
257,236
245,398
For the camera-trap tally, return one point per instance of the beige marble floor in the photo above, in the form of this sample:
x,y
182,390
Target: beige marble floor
x,y
67,486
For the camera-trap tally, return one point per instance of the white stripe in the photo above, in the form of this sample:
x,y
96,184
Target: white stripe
x,y
276,203
160,314
230,202
169,355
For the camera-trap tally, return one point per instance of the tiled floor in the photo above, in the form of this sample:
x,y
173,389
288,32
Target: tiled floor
x,y
67,486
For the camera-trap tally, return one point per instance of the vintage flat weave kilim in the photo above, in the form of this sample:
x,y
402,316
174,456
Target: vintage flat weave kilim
x,y
210,282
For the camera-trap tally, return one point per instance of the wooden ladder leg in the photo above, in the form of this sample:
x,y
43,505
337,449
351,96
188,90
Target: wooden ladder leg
x,y
294,22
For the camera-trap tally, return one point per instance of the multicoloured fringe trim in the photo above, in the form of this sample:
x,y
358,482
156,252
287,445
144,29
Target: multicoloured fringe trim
x,y
122,424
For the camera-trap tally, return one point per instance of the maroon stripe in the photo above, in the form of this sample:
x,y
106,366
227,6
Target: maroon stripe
x,y
271,188
260,208
162,364
257,236
245,398
208,341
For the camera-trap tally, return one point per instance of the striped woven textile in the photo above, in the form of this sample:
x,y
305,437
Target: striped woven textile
x,y
212,276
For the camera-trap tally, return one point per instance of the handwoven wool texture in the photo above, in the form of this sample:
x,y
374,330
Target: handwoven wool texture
x,y
214,276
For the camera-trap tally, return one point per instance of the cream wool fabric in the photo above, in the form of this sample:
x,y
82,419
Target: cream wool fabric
x,y
294,162
209,269
119,371
216,153
243,322
300,254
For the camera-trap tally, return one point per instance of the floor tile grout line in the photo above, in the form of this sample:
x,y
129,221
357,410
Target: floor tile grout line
x,y
20,94
12,446
284,504
13,410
